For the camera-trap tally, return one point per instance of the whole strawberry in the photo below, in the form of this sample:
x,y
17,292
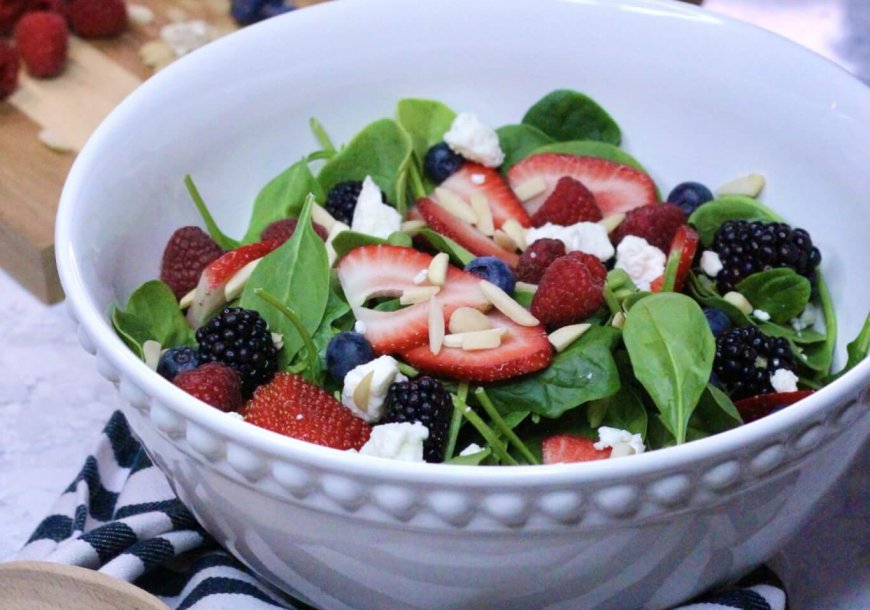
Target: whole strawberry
x,y
292,406
537,257
188,252
657,224
41,38
571,290
213,383
9,65
97,18
569,203
282,230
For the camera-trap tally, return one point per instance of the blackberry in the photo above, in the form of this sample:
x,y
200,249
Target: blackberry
x,y
441,162
749,247
746,358
240,339
424,400
341,200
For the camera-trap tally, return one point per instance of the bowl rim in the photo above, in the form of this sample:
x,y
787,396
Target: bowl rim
x,y
281,448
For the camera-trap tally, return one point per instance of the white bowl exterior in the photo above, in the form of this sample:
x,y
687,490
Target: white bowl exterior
x,y
362,532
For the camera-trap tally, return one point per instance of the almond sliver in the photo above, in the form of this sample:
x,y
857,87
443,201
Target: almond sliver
x,y
611,222
530,188
234,287
437,272
409,226
476,340
516,232
468,319
454,204
749,186
526,287
436,326
505,304
187,300
565,336
363,390
504,241
480,206
421,294
151,351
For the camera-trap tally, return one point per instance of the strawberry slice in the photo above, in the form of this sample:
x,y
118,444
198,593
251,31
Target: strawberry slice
x,y
561,448
523,350
383,270
760,405
442,221
684,245
617,187
474,178
209,295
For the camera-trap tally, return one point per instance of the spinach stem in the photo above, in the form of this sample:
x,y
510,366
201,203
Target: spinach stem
x,y
612,302
487,433
830,323
406,369
223,240
501,425
455,424
417,188
321,135
310,349
319,155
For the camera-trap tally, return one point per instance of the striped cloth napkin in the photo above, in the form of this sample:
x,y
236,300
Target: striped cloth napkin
x,y
120,516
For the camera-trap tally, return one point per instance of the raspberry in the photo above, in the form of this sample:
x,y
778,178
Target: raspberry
x,y
213,383
421,400
569,203
282,230
10,11
239,338
188,252
97,18
9,65
749,247
41,38
746,358
656,223
537,257
571,290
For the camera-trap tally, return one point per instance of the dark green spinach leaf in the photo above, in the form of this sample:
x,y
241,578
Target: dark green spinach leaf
x,y
709,217
518,142
426,121
569,115
782,293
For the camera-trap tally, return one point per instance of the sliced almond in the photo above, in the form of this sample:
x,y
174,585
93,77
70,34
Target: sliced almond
x,y
504,241
749,186
565,336
438,269
505,304
409,226
237,283
420,294
526,287
421,276
151,351
618,320
530,188
187,300
362,391
476,340
480,206
516,232
337,228
739,301
455,204
321,216
436,326
468,319
139,14
611,222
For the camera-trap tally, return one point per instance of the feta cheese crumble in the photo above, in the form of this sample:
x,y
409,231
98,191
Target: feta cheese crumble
x,y
760,314
806,319
783,380
711,264
474,140
641,261
588,237
623,442
372,216
398,441
360,327
385,372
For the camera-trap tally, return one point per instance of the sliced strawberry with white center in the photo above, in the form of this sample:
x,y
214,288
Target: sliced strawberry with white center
x,y
761,405
617,187
209,295
684,245
562,448
504,205
523,350
387,271
442,221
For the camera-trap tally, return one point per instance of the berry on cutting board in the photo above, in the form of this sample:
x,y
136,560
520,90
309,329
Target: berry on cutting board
x,y
494,270
9,66
571,290
537,258
346,351
423,400
565,448
213,383
189,251
569,203
41,38
177,360
97,18
657,224
689,196
441,162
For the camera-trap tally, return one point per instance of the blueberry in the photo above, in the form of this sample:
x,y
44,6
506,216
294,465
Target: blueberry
x,y
346,351
495,270
689,196
441,162
246,12
176,360
717,320
275,8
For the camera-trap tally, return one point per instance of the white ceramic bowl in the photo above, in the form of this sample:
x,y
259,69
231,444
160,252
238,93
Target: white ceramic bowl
x,y
698,97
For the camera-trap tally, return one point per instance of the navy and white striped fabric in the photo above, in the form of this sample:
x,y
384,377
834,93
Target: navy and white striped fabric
x,y
119,516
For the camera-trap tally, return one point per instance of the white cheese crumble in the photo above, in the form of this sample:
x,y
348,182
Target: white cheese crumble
x,y
372,216
360,327
588,237
234,415
399,441
386,371
711,264
474,140
760,314
783,380
623,442
471,449
806,319
186,36
641,261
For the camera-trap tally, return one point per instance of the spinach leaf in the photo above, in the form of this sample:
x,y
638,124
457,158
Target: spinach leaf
x,y
801,337
524,297
671,349
321,136
569,115
624,410
222,239
297,274
398,238
281,198
518,142
426,121
346,241
819,356
584,371
472,459
154,304
131,330
381,150
780,292
591,148
715,412
336,318
857,350
458,255
709,217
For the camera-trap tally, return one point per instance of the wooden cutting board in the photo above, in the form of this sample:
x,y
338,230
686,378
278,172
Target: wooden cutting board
x,y
98,75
